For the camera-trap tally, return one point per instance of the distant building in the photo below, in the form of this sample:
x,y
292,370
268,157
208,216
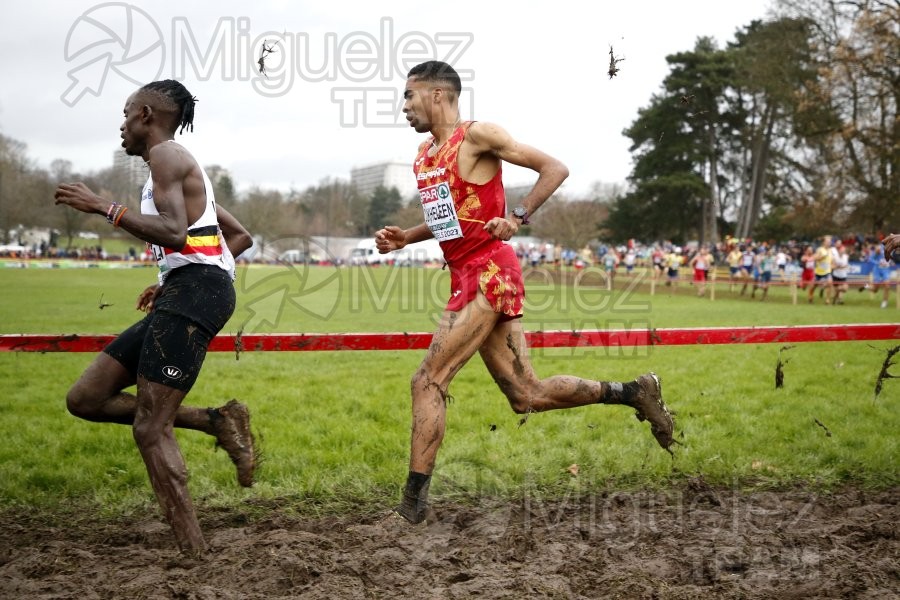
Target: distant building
x,y
394,173
133,168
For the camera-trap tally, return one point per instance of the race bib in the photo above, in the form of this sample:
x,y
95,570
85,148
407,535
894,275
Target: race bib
x,y
159,256
440,213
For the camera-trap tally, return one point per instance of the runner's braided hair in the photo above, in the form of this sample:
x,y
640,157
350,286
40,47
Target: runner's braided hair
x,y
177,93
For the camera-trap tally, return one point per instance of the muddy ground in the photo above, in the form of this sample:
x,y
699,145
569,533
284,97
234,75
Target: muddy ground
x,y
695,542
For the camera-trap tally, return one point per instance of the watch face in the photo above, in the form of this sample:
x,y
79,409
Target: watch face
x,y
519,211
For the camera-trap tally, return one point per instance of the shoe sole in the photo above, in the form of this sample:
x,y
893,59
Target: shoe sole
x,y
239,416
662,425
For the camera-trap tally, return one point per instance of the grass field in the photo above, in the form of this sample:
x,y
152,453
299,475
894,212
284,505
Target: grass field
x,y
334,426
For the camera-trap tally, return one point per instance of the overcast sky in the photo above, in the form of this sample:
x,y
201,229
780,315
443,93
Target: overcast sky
x,y
332,100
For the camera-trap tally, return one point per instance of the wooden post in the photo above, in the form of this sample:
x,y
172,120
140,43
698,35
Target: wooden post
x,y
712,285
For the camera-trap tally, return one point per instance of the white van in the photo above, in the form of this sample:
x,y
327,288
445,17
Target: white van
x,y
366,253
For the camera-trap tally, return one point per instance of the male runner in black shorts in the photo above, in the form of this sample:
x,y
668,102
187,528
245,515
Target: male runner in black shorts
x,y
192,240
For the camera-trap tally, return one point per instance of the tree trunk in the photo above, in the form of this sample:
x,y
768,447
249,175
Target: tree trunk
x,y
759,157
740,230
760,172
704,215
713,211
747,215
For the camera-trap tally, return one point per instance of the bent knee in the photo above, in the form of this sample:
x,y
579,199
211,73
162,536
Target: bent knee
x,y
520,404
80,403
520,397
519,401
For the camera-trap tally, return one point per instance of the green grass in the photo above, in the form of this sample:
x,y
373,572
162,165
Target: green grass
x,y
335,425
114,245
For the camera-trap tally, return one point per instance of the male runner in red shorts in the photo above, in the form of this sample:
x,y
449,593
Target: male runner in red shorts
x,y
192,240
459,176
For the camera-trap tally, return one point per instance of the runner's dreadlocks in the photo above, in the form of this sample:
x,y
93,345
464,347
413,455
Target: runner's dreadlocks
x,y
178,94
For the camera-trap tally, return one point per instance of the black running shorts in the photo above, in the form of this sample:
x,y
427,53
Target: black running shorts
x,y
168,346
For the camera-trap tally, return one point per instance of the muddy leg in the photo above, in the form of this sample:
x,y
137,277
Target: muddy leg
x,y
153,431
506,356
97,396
505,353
456,340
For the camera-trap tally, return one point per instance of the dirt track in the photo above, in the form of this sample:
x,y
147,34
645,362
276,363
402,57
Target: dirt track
x,y
696,542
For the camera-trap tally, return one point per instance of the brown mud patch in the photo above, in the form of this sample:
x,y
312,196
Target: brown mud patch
x,y
698,542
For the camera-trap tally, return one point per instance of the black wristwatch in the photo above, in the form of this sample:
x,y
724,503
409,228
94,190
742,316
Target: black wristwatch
x,y
521,213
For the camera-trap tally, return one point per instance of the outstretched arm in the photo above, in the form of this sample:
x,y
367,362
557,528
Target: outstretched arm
x,y
392,238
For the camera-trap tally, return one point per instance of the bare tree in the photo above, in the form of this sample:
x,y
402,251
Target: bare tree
x,y
15,170
263,213
71,221
569,223
223,185
857,133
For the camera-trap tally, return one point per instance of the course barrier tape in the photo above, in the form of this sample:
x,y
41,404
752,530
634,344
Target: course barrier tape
x,y
312,342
